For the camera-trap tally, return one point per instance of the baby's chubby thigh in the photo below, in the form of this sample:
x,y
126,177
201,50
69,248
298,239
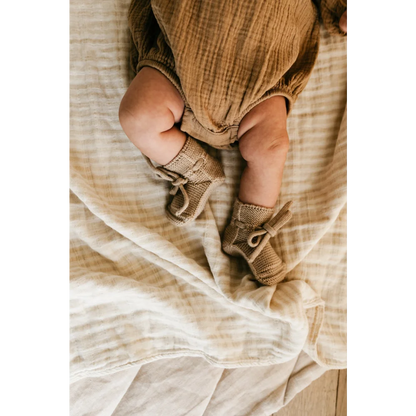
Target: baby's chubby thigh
x,y
262,133
148,115
150,106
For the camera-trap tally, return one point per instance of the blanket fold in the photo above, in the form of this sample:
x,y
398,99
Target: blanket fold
x,y
142,289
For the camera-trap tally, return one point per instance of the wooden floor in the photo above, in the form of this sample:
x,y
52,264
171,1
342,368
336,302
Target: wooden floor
x,y
326,396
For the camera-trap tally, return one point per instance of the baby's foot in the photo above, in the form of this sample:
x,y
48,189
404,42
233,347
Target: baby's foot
x,y
248,236
194,175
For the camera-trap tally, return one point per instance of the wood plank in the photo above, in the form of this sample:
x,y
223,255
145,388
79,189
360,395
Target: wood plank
x,y
342,394
319,399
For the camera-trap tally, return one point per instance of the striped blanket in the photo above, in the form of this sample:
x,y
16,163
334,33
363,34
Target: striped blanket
x,y
141,289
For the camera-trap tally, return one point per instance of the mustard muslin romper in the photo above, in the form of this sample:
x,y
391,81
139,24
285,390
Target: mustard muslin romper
x,y
226,56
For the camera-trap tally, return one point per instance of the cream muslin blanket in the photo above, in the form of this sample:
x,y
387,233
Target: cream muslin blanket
x,y
191,386
143,290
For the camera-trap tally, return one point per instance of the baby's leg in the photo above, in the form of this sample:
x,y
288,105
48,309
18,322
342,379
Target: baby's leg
x,y
148,113
263,143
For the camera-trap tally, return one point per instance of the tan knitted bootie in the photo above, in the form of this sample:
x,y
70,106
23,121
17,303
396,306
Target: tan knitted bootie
x,y
248,236
195,174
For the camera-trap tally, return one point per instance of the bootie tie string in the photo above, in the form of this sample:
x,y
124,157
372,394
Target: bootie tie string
x,y
260,237
178,181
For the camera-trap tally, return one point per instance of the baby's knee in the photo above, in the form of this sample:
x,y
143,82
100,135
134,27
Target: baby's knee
x,y
264,149
150,106
141,121
279,144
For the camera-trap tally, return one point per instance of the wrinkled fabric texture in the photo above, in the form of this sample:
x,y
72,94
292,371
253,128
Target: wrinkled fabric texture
x,y
227,57
192,387
331,12
142,289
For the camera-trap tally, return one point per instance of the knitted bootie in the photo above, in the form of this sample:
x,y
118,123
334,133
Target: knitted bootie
x,y
195,174
248,236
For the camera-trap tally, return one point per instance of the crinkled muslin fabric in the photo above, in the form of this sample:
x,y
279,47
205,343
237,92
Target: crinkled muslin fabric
x,y
143,290
226,57
191,386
